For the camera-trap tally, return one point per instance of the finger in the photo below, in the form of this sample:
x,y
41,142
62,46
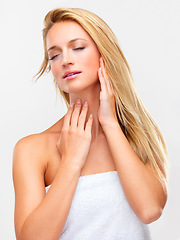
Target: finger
x,y
75,114
82,117
104,74
108,84
102,81
67,117
89,123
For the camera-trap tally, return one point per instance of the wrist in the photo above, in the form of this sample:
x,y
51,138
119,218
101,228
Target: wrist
x,y
69,166
111,125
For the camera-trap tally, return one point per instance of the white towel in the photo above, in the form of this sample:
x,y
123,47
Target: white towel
x,y
100,211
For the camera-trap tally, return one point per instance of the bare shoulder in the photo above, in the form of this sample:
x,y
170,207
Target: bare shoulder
x,y
38,145
29,143
30,163
31,153
30,148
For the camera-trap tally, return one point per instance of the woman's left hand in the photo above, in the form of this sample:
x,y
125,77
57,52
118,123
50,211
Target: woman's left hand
x,y
107,109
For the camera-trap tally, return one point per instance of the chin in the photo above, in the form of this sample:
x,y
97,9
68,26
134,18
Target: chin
x,y
78,86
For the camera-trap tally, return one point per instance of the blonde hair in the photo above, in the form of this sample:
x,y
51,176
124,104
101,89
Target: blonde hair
x,y
138,126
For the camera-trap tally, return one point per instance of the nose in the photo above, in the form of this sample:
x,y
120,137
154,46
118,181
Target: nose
x,y
67,59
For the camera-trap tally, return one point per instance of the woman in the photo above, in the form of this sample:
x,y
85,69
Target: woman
x,y
103,164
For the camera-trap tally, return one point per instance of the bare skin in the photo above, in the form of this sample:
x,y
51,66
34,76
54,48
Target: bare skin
x,y
45,166
98,159
68,149
60,157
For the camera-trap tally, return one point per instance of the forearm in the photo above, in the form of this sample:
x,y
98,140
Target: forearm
x,y
48,219
142,189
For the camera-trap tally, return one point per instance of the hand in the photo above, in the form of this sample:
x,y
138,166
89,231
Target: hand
x,y
75,137
107,109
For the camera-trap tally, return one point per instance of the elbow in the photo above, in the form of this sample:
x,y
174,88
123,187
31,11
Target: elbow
x,y
150,215
152,211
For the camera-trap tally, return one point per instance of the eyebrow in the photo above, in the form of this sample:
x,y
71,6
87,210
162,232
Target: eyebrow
x,y
71,41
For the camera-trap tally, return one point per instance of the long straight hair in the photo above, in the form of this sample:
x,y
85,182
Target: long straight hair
x,y
136,123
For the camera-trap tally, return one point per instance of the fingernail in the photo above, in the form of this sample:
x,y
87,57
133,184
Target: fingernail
x,y
78,101
86,103
71,105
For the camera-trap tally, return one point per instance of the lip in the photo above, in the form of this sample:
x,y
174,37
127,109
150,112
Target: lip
x,y
72,76
76,72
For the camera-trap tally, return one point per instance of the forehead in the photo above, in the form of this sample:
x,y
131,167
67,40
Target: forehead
x,y
63,32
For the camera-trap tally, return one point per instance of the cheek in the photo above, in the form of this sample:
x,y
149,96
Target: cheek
x,y
55,70
92,63
57,74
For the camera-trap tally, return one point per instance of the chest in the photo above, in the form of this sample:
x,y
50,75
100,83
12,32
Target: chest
x,y
99,159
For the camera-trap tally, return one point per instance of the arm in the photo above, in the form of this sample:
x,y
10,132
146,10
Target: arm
x,y
142,188
40,216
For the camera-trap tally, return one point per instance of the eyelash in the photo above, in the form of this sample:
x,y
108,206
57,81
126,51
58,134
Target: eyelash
x,y
53,57
80,48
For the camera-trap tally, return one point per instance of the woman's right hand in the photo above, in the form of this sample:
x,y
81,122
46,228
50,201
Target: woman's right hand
x,y
75,138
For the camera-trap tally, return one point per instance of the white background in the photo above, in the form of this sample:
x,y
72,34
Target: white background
x,y
149,36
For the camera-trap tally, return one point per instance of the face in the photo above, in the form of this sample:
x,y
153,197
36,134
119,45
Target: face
x,y
73,56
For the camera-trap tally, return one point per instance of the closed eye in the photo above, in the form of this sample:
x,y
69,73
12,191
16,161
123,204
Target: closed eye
x,y
54,57
80,48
